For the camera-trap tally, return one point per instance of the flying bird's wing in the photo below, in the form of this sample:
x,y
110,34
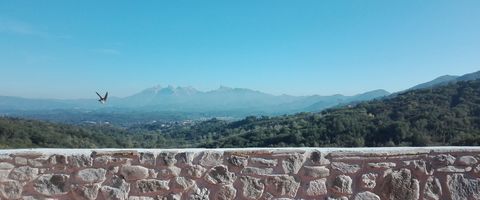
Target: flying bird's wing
x,y
106,95
99,95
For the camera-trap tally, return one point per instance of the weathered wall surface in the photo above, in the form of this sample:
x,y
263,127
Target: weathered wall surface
x,y
298,173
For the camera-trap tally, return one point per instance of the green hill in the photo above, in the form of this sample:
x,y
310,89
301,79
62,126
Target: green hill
x,y
445,115
21,133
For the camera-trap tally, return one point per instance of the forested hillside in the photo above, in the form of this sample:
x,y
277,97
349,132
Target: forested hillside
x,y
445,115
20,133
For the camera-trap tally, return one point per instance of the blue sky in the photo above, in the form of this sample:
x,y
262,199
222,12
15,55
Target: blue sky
x,y
69,49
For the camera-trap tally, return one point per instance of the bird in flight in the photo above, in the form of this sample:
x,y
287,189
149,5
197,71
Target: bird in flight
x,y
102,100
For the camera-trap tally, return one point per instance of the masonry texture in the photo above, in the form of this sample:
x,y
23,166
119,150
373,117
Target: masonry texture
x,y
200,174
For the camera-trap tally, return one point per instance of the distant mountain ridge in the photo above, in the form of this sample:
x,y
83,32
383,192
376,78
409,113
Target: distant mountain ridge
x,y
446,79
234,99
221,102
435,82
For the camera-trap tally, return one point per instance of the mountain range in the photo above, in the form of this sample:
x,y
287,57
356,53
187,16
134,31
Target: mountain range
x,y
226,99
194,104
239,101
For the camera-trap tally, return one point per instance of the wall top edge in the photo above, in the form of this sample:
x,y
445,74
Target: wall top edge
x,y
342,150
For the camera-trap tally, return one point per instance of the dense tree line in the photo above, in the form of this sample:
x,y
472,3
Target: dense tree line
x,y
21,133
24,133
445,115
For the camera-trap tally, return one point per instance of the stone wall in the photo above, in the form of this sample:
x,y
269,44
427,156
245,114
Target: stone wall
x,y
297,173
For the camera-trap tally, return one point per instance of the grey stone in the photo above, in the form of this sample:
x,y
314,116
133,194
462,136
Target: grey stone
x,y
226,192
167,158
400,185
256,171
220,175
420,165
5,169
316,171
200,194
120,183
186,157
252,187
5,157
366,196
140,198
337,198
343,184
21,161
36,162
111,193
238,161
169,172
28,154
173,196
30,198
369,180
134,172
6,166
4,174
92,175
116,153
147,158
117,189
467,169
345,168
293,163
382,165
451,169
152,173
24,173
433,189
317,187
463,188
264,162
182,183
283,185
318,158
477,169
267,196
444,160
11,189
113,170
195,171
102,160
467,160
86,192
52,184
151,185
80,160
211,158
58,159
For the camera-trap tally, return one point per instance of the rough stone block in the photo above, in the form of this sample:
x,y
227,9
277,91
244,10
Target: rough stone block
x,y
134,172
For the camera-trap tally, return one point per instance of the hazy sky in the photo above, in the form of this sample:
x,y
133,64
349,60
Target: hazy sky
x,y
69,49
